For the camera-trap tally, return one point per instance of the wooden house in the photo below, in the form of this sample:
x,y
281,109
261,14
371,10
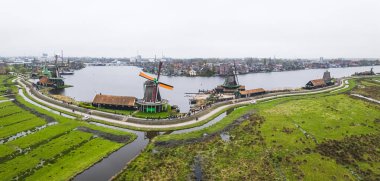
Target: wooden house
x,y
114,102
252,92
317,83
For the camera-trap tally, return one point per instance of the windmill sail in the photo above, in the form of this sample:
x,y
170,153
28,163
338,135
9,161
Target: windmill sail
x,y
151,91
142,74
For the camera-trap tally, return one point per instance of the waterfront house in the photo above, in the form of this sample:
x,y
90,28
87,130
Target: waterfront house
x,y
114,102
315,84
371,72
192,72
252,92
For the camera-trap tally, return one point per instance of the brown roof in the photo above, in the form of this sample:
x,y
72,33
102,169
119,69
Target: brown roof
x,y
44,80
114,100
318,82
252,91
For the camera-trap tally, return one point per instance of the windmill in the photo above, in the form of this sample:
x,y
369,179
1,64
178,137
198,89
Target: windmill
x,y
52,77
231,83
152,101
231,80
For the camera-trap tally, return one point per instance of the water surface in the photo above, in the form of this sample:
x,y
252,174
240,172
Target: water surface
x,y
124,80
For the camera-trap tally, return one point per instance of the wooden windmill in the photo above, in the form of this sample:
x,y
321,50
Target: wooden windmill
x,y
152,101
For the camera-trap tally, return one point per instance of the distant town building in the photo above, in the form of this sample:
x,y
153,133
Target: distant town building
x,y
136,59
224,69
192,72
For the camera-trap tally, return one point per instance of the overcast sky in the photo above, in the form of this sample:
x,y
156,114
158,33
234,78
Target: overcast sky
x,y
192,28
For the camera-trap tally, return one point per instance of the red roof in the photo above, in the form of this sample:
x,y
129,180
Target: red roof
x,y
318,82
44,80
252,91
114,100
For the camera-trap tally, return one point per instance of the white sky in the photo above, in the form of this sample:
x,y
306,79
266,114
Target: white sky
x,y
192,28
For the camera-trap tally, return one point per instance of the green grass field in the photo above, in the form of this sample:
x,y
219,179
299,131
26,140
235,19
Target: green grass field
x,y
135,113
56,152
159,115
368,87
115,111
329,136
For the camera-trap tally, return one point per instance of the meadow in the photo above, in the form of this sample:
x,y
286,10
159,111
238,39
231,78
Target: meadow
x,y
368,87
328,136
36,144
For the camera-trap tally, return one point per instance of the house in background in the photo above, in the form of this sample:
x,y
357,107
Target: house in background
x,y
318,83
192,72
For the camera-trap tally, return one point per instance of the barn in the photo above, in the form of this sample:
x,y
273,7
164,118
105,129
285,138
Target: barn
x,y
114,102
252,92
315,84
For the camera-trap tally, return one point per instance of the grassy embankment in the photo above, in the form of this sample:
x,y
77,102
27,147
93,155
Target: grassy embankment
x,y
115,111
229,119
329,136
134,113
368,88
351,85
47,153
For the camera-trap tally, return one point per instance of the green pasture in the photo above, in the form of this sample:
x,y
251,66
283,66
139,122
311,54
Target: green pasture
x,y
279,142
58,149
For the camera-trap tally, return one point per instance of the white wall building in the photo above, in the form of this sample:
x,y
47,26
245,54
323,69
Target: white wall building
x,y
192,72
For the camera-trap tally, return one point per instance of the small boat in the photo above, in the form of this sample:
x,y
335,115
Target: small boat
x,y
66,73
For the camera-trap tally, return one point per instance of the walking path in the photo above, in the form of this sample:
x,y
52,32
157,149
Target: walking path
x,y
368,98
204,117
6,100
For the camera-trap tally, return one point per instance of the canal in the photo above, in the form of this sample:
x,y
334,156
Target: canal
x,y
114,163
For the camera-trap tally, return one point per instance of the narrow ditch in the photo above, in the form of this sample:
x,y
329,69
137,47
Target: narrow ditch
x,y
25,133
20,151
108,136
52,160
205,137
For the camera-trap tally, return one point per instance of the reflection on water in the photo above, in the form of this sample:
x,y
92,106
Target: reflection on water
x,y
229,111
215,120
57,91
115,162
225,136
151,134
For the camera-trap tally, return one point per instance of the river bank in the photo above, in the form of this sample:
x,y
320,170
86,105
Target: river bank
x,y
90,81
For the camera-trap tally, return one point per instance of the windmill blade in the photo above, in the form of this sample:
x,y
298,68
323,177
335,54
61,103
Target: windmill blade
x,y
142,74
166,86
